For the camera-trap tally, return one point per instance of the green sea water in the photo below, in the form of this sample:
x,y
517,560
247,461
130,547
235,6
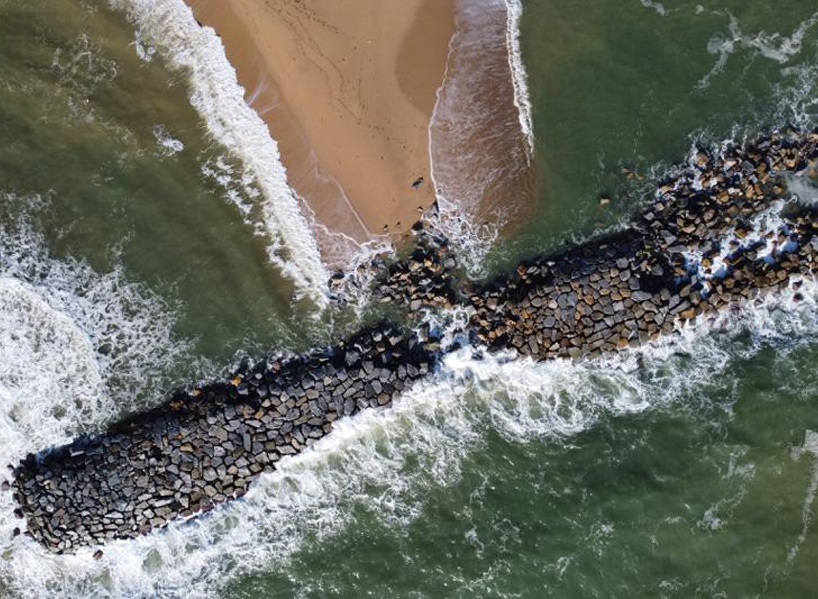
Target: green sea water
x,y
82,118
689,469
620,85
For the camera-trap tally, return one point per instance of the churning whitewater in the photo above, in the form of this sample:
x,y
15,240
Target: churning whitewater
x,y
386,461
77,348
401,453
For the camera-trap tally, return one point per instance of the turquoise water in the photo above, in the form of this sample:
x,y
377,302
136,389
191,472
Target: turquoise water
x,y
127,267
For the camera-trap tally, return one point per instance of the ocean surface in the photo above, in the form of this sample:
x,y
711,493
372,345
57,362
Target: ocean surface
x,y
140,250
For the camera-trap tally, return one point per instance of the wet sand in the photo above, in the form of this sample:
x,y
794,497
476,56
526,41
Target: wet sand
x,y
347,89
481,156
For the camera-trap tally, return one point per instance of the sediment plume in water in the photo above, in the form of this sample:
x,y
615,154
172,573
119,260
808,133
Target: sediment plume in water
x,y
720,231
481,139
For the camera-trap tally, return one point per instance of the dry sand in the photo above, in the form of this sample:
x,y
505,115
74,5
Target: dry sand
x,y
347,89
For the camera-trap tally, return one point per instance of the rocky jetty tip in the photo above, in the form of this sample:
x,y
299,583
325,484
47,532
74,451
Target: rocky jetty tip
x,y
720,230
206,446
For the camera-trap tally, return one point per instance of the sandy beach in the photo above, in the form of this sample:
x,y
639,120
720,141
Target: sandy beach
x,y
347,89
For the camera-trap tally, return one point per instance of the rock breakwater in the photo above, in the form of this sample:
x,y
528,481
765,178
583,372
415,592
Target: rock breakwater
x,y
721,229
426,278
206,446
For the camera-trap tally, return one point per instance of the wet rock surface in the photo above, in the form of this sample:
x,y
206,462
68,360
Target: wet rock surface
x,y
720,229
204,447
424,279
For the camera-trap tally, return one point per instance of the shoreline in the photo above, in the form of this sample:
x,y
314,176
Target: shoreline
x,y
481,149
519,75
347,91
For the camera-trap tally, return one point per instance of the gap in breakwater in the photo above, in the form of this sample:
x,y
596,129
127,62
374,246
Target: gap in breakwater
x,y
720,231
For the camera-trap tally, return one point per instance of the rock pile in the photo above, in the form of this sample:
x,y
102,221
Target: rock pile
x,y
425,279
712,236
720,229
206,446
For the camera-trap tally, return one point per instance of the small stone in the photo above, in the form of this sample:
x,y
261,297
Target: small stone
x,y
688,314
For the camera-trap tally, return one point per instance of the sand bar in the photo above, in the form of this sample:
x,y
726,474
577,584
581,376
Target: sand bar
x,y
347,89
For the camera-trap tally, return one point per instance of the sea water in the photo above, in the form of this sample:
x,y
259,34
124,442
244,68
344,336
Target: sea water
x,y
135,256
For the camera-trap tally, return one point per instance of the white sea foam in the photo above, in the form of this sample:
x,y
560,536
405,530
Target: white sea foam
x,y
76,348
798,98
168,144
473,240
129,327
657,6
519,77
810,447
762,237
803,189
480,146
82,66
383,462
44,356
773,46
169,27
777,47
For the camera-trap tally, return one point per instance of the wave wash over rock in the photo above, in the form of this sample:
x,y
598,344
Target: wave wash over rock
x,y
720,230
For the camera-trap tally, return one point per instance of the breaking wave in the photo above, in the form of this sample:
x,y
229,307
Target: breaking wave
x,y
74,342
77,349
519,77
276,212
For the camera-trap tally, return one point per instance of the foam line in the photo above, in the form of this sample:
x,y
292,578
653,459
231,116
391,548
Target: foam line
x,y
77,348
773,46
385,462
657,6
519,78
